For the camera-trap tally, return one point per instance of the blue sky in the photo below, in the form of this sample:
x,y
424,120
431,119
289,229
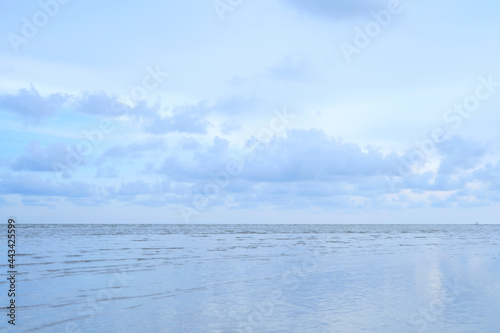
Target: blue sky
x,y
281,111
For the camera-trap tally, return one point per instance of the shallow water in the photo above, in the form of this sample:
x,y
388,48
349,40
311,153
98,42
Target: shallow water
x,y
257,278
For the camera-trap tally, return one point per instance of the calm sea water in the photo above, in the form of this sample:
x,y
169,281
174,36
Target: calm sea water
x,y
256,278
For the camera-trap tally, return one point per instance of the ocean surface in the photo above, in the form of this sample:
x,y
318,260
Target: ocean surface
x,y
256,278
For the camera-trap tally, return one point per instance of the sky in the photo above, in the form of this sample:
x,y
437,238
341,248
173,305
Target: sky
x,y
262,111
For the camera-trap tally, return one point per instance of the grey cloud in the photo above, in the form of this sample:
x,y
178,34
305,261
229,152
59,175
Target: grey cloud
x,y
460,154
229,127
291,69
39,158
187,119
133,150
100,104
336,9
31,184
32,106
106,172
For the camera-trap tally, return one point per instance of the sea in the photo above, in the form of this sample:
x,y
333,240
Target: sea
x,y
254,278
